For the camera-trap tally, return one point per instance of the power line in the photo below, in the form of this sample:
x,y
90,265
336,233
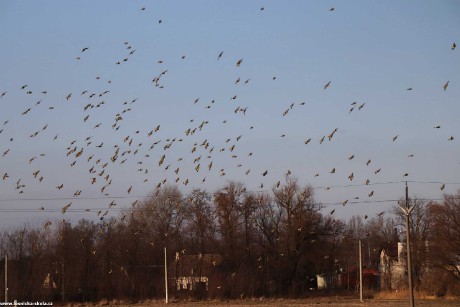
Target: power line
x,y
30,210
72,198
215,193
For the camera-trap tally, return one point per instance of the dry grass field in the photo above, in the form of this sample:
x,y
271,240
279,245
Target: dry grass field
x,y
319,301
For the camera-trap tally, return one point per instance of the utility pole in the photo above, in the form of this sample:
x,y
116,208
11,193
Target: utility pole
x,y
62,281
166,280
6,278
360,274
407,211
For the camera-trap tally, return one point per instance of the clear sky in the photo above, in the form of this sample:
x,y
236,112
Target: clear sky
x,y
371,52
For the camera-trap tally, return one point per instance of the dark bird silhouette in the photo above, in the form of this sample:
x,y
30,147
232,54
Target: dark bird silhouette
x,y
84,49
327,85
453,46
220,55
351,177
446,85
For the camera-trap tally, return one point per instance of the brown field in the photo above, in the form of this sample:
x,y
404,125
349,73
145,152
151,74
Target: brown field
x,y
329,301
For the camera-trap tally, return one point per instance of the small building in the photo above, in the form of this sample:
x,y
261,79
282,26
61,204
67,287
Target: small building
x,y
393,266
327,281
49,283
350,280
194,272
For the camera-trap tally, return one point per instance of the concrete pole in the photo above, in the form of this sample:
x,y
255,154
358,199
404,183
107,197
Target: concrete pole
x,y
6,278
166,279
62,281
360,274
409,263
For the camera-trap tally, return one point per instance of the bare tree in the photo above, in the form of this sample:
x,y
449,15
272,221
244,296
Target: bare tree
x,y
228,203
201,228
301,227
445,246
421,226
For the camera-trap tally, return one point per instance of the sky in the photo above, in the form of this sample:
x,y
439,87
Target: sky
x,y
137,75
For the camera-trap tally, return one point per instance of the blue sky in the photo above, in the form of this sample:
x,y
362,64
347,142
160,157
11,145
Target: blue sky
x,y
371,51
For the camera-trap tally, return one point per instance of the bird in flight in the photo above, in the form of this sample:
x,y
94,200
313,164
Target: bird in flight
x,y
446,85
453,46
327,85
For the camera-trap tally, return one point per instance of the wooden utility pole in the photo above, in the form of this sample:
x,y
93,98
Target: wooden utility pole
x,y
166,279
407,211
360,274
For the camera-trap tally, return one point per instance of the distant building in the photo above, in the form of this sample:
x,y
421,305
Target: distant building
x,y
350,280
194,272
327,281
393,266
49,283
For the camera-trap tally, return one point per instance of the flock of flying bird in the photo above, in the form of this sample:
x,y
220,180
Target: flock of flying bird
x,y
146,151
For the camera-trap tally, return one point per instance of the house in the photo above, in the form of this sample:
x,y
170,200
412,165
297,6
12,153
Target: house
x,y
393,266
350,280
49,283
194,272
327,281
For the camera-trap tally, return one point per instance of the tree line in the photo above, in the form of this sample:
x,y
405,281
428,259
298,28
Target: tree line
x,y
271,244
